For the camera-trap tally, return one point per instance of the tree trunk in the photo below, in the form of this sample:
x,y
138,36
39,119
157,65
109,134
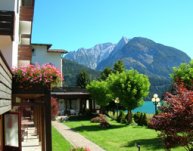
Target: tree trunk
x,y
129,116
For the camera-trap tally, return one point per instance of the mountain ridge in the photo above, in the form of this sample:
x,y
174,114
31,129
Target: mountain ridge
x,y
148,57
92,56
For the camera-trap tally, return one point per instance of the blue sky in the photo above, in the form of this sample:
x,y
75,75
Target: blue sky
x,y
72,24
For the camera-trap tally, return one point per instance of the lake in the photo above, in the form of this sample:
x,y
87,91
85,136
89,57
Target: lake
x,y
148,107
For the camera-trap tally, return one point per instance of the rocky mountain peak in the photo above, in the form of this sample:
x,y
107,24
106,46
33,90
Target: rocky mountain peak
x,y
90,57
122,42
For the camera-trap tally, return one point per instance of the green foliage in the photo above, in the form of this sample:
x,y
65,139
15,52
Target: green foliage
x,y
82,79
122,117
140,118
72,69
184,73
130,87
119,67
99,91
144,119
105,73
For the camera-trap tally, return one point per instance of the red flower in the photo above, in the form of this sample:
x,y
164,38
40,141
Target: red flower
x,y
35,74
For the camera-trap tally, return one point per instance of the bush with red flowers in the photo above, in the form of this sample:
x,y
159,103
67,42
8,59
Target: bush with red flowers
x,y
30,75
54,107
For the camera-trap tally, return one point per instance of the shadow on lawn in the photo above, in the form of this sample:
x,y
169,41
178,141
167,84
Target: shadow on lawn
x,y
75,118
95,128
150,144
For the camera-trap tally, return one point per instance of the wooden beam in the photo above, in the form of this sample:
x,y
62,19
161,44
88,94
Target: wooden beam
x,y
26,13
25,52
47,117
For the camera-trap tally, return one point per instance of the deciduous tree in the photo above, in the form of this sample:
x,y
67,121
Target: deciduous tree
x,y
184,73
176,119
99,91
130,87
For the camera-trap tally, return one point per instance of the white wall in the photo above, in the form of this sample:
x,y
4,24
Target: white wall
x,y
41,56
16,35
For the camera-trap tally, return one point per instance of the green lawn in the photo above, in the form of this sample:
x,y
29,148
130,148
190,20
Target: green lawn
x,y
58,142
119,137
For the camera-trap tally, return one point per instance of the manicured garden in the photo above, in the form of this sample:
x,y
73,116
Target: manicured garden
x,y
119,137
123,89
58,142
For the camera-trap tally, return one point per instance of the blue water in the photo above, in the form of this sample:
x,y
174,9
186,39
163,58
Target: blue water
x,y
148,107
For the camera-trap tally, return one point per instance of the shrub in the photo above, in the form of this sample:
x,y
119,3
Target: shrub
x,y
102,120
54,107
80,149
144,120
136,117
98,118
104,123
140,118
122,117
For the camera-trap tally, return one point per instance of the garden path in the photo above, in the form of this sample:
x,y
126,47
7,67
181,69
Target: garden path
x,y
31,141
75,138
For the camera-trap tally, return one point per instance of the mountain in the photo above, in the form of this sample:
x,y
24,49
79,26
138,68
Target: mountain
x,y
148,57
72,69
121,44
92,56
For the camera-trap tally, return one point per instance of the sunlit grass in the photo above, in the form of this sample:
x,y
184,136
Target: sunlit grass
x,y
119,137
58,142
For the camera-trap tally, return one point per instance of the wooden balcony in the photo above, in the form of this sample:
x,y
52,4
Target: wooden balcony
x,y
6,23
26,13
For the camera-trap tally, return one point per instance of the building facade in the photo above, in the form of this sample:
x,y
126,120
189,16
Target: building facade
x,y
16,17
16,50
42,54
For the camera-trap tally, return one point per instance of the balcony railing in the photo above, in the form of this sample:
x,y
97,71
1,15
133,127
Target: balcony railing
x,y
26,13
6,23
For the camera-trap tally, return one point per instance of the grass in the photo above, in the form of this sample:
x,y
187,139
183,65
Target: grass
x,y
119,137
58,142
